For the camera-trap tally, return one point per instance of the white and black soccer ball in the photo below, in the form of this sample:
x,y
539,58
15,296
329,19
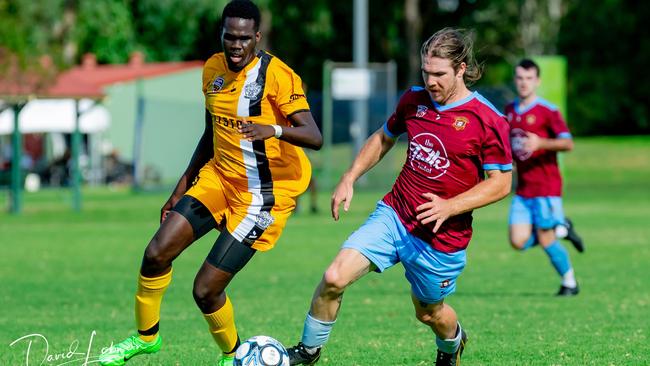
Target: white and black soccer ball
x,y
261,351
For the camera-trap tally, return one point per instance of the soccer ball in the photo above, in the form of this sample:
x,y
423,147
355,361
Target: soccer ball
x,y
261,351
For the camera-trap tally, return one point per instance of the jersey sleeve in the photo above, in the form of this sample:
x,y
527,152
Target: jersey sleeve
x,y
209,70
395,125
496,153
289,94
558,126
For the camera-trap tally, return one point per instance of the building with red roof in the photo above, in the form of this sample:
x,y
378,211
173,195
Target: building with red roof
x,y
160,101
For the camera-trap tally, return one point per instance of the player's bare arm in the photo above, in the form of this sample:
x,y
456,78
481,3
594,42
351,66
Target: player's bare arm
x,y
202,154
534,143
303,133
371,153
495,187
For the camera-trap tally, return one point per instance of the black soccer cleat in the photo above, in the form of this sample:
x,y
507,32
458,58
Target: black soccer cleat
x,y
568,291
298,355
452,359
573,237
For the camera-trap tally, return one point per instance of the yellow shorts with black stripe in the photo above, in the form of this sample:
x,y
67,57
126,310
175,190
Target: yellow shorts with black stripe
x,y
255,216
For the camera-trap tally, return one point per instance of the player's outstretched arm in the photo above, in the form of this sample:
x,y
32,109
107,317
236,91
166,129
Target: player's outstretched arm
x,y
534,143
371,153
304,132
202,154
495,187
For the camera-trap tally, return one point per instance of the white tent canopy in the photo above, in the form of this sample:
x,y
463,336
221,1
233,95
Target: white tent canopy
x,y
56,115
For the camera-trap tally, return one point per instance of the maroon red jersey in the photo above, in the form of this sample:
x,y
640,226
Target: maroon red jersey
x,y
449,148
537,173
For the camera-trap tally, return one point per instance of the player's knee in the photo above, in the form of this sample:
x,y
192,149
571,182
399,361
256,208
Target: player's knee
x,y
431,315
201,292
423,317
333,283
205,295
155,259
430,318
518,243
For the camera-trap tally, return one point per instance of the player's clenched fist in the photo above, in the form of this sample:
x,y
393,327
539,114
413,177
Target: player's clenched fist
x,y
252,131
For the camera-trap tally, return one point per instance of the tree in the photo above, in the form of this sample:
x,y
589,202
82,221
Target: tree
x,y
105,28
608,49
170,30
27,38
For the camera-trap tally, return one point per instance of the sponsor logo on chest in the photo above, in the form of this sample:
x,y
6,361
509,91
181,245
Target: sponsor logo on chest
x,y
428,155
518,139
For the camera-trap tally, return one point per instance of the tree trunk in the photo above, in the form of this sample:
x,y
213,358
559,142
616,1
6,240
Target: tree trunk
x,y
413,40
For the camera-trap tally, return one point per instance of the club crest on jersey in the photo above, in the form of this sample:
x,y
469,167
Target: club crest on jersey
x,y
252,90
422,110
428,155
518,140
264,220
509,117
445,283
530,119
460,123
217,84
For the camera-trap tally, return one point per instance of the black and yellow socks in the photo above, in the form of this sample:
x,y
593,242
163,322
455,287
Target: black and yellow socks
x,y
222,327
147,304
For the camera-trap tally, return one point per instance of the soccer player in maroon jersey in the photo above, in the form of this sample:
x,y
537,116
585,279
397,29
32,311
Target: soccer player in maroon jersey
x,y
537,133
458,160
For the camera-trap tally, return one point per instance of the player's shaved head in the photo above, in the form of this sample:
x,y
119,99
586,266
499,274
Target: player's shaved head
x,y
244,9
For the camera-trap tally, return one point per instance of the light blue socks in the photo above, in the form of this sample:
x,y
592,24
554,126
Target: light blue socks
x,y
559,257
316,332
449,345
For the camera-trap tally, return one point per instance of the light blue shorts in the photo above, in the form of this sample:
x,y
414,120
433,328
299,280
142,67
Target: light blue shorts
x,y
385,242
541,212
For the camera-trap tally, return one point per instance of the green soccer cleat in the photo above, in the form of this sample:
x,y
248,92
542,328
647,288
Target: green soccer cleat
x,y
226,361
118,354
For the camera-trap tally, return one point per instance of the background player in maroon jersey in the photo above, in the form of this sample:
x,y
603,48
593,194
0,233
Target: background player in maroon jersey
x,y
537,133
458,159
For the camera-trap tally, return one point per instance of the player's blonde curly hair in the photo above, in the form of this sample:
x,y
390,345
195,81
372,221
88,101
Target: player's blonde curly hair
x,y
456,45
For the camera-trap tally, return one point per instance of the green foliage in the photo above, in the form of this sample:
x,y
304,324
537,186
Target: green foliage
x,y
608,51
28,30
168,30
606,42
305,39
105,28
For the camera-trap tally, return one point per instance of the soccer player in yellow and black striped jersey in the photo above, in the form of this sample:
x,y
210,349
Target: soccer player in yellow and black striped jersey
x,y
243,179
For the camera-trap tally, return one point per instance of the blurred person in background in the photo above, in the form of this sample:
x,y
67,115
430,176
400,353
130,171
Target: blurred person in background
x,y
537,133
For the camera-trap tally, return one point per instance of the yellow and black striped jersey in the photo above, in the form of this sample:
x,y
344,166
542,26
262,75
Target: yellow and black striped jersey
x,y
266,91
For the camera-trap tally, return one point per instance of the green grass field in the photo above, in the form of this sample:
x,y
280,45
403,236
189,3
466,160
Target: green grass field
x,y
70,278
